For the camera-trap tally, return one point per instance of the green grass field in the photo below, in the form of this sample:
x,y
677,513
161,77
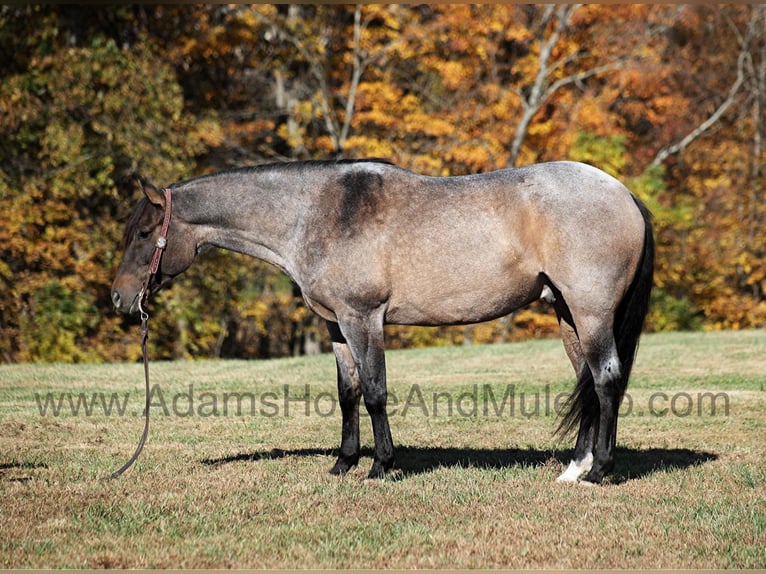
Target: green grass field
x,y
235,470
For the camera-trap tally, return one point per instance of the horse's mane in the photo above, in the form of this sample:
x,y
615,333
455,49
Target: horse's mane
x,y
133,221
299,165
282,166
130,227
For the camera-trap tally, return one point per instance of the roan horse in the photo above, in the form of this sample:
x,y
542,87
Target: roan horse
x,y
371,244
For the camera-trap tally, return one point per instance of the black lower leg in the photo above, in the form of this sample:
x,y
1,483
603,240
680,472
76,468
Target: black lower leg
x,y
348,396
348,456
586,436
365,342
603,454
384,444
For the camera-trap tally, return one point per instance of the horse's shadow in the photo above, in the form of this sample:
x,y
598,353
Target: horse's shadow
x,y
632,463
16,471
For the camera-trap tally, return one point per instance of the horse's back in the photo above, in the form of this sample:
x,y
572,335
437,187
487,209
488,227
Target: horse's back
x,y
560,187
542,206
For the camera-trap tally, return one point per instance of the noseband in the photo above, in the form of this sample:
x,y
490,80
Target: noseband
x,y
143,295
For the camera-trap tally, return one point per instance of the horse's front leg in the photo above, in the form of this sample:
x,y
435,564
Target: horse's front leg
x,y
349,392
364,335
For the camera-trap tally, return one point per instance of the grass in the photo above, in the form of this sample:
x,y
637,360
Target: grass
x,y
474,485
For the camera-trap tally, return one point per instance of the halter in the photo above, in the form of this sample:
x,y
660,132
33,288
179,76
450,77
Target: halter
x,y
143,295
159,247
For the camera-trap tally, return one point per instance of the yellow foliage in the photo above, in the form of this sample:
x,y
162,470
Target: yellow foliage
x,y
453,74
361,146
210,132
442,89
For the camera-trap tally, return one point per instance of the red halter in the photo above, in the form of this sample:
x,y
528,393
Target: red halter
x,y
162,240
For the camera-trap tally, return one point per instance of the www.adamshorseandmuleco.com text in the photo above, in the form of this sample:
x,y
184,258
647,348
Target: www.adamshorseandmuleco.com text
x,y
304,400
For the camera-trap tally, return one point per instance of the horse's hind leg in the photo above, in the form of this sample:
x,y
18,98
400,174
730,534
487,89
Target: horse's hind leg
x,y
600,350
582,459
349,392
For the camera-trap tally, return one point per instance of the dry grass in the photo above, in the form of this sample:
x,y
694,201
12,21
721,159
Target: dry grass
x,y
470,491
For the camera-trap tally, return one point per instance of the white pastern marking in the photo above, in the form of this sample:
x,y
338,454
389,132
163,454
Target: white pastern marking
x,y
576,469
571,474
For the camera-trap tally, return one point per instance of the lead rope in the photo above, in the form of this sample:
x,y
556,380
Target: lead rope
x,y
142,297
144,339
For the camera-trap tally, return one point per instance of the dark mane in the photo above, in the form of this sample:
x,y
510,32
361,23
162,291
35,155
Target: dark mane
x,y
130,227
298,165
133,221
282,166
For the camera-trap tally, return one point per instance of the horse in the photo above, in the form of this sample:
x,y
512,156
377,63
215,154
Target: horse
x,y
369,244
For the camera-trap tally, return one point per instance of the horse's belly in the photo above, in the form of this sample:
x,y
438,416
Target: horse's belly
x,y
442,301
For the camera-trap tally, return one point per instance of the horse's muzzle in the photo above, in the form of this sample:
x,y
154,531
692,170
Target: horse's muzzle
x,y
117,300
124,306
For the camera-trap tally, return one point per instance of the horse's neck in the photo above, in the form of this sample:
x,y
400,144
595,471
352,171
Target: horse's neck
x,y
242,214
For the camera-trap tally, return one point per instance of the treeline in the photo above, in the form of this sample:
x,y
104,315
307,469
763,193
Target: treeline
x,y
670,99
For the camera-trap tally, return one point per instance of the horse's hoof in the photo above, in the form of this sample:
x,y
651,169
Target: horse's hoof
x,y
379,470
576,469
338,470
376,472
570,475
565,480
592,479
343,465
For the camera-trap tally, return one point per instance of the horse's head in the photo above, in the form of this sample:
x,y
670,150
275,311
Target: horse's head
x,y
140,243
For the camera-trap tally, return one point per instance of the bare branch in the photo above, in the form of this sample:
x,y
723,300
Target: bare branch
x,y
713,118
317,70
338,132
577,79
356,77
539,92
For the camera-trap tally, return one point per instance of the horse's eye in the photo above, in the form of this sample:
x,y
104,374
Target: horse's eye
x,y
144,234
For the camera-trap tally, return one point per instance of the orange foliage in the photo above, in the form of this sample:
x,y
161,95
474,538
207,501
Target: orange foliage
x,y
173,91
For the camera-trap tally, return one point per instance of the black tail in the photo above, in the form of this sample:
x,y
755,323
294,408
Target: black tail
x,y
582,405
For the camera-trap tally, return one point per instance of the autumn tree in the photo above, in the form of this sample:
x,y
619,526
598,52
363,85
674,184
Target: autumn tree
x,y
80,116
668,98
710,156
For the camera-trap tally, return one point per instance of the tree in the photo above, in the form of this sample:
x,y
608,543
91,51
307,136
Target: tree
x,y
713,256
668,98
78,122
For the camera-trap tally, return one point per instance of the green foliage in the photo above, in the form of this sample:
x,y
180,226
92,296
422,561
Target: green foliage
x,y
76,125
604,152
669,313
55,323
91,96
651,188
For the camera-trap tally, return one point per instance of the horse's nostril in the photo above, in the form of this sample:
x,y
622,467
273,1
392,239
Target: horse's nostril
x,y
116,299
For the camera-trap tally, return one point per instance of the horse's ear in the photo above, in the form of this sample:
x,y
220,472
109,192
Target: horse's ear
x,y
151,193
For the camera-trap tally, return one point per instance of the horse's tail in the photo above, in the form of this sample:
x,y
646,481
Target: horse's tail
x,y
632,311
629,321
